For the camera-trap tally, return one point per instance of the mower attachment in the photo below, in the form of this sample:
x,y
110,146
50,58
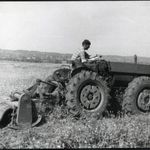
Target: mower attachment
x,y
24,109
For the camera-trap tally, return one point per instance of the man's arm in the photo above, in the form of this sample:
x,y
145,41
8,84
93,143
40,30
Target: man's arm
x,y
95,57
82,56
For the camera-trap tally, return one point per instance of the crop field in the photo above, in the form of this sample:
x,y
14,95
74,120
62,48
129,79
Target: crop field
x,y
64,132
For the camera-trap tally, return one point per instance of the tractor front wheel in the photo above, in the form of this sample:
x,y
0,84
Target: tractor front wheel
x,y
137,96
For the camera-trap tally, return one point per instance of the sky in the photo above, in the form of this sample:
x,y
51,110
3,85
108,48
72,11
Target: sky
x,y
113,27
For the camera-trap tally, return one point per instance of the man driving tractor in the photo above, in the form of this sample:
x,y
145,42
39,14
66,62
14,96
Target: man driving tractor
x,y
81,55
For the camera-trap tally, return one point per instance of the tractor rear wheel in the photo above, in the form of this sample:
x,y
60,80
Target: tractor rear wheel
x,y
87,95
136,99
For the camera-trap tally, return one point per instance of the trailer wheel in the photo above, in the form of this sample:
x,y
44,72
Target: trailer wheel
x,y
6,118
136,99
87,95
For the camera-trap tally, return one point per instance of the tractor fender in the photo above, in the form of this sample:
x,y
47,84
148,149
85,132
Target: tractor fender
x,y
77,70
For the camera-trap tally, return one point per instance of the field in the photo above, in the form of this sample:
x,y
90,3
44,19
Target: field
x,y
112,132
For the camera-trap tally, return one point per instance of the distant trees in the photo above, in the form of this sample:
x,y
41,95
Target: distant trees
x,y
33,56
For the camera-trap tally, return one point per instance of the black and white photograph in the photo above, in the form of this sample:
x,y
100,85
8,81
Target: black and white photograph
x,y
74,74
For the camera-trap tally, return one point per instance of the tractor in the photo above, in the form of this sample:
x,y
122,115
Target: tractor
x,y
85,89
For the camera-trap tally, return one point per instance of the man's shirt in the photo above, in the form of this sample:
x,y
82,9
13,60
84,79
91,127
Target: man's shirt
x,y
80,55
